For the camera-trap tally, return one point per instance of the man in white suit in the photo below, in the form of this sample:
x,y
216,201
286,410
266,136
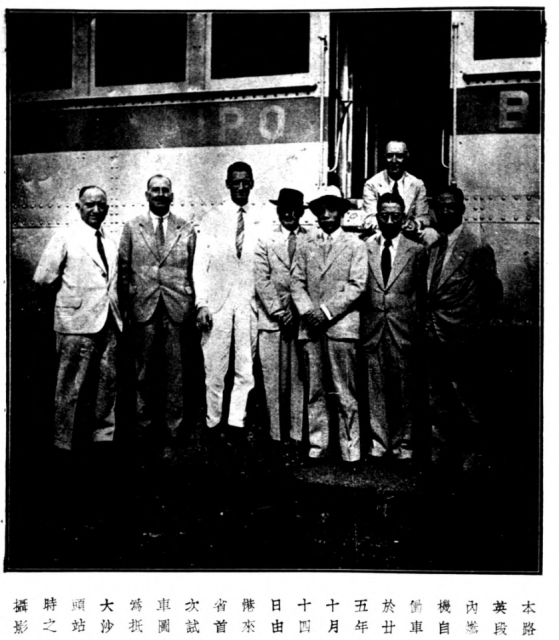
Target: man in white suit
x,y
225,299
278,320
80,263
329,275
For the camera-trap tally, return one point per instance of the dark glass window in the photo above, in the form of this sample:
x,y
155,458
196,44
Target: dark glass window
x,y
140,49
259,44
507,34
39,49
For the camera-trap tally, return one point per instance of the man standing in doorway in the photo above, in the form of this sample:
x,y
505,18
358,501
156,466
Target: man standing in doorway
x,y
224,281
397,180
155,283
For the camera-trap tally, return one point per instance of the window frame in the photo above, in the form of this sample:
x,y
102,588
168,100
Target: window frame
x,y
466,64
124,90
316,30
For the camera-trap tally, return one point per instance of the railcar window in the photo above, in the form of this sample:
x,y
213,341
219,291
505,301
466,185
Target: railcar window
x,y
39,48
248,45
507,34
140,49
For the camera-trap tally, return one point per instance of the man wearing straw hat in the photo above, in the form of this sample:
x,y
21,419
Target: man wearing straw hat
x,y
328,276
278,320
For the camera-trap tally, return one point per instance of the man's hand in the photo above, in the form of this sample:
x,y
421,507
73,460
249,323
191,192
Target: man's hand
x,y
428,236
315,319
204,320
286,320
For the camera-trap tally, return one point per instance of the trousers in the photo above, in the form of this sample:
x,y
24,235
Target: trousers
x,y
85,395
330,369
390,379
233,325
283,374
158,357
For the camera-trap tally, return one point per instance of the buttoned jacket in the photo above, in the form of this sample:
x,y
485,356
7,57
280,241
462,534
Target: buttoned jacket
x,y
145,276
398,306
335,281
86,291
272,276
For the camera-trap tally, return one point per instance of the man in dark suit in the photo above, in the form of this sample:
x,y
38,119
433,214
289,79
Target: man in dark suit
x,y
463,290
155,283
278,320
329,274
80,264
391,320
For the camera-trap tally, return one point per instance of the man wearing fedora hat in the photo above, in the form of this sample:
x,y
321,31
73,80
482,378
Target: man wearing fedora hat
x,y
329,274
278,320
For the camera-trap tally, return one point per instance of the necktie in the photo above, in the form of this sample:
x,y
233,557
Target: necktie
x,y
291,245
240,233
395,190
160,237
439,262
386,261
101,250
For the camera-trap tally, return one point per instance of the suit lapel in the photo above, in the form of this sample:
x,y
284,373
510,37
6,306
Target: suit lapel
x,y
459,252
374,251
174,232
432,259
400,260
337,247
89,246
279,247
148,234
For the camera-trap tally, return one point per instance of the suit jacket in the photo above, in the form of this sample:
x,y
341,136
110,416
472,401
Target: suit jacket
x,y
86,291
218,273
468,288
272,276
145,276
335,283
398,307
411,189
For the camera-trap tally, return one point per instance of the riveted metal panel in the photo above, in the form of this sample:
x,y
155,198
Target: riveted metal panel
x,y
499,164
517,253
45,186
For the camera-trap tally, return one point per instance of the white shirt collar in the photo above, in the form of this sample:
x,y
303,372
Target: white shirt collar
x,y
393,247
286,233
401,181
335,235
454,236
88,229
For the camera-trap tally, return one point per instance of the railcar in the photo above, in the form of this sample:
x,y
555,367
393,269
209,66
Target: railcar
x,y
307,98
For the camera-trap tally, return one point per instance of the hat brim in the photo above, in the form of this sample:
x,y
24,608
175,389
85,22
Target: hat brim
x,y
341,203
297,206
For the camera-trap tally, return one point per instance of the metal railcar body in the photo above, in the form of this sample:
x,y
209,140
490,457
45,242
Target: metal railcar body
x,y
306,98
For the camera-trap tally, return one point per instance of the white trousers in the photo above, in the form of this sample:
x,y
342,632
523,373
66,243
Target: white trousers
x,y
235,323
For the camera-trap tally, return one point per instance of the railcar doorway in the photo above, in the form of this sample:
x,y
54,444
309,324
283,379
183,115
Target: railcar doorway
x,y
390,79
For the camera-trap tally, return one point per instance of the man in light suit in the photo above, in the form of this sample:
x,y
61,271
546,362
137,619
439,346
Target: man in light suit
x,y
392,315
396,179
278,320
329,274
80,263
226,302
155,283
464,289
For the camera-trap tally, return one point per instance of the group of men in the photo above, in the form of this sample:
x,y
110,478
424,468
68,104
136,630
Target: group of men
x,y
412,298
